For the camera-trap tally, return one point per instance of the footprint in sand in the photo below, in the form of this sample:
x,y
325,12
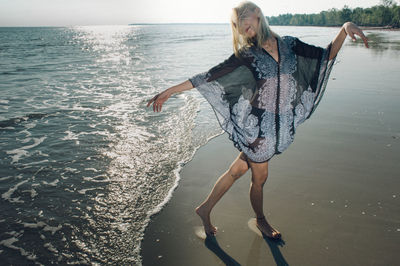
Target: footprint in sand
x,y
253,227
199,232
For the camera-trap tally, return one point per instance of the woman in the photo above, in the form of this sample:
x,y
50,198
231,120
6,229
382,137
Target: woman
x,y
260,94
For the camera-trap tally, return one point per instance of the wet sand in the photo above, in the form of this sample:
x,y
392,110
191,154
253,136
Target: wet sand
x,y
333,194
332,213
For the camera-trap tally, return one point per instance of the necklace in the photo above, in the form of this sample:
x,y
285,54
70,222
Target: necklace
x,y
270,48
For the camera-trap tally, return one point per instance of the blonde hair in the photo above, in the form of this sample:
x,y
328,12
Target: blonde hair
x,y
244,9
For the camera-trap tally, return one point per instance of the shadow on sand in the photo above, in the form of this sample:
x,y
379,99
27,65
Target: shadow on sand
x,y
212,244
254,255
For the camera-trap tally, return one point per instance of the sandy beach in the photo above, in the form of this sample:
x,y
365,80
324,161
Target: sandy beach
x,y
333,194
329,212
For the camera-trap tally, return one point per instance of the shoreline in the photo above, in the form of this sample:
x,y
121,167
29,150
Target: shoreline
x,y
384,28
179,166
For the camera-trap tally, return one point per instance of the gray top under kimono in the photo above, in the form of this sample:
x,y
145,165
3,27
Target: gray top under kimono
x,y
260,102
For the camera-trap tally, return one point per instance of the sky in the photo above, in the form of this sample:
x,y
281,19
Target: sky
x,y
122,12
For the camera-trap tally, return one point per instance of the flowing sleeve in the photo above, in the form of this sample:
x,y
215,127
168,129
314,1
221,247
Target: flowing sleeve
x,y
312,73
223,85
215,72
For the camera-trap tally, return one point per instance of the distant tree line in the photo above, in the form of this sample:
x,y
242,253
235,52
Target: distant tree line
x,y
385,14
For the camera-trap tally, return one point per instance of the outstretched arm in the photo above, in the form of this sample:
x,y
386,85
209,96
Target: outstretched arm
x,y
215,72
160,98
350,29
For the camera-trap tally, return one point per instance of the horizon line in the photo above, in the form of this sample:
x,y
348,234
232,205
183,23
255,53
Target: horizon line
x,y
130,24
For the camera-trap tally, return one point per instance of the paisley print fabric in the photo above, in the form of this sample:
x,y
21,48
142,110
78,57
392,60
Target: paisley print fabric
x,y
260,102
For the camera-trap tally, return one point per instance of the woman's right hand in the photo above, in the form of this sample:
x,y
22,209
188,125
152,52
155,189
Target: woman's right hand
x,y
158,100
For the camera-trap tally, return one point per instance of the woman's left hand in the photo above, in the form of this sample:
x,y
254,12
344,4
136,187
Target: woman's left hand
x,y
352,29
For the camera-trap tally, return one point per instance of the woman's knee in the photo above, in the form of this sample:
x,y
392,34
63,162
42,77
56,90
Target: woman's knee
x,y
238,168
259,180
259,174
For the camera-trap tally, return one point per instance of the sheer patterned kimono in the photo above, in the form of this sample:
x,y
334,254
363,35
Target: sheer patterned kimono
x,y
260,102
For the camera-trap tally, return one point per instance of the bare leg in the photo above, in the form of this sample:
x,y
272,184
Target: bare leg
x,y
224,182
258,179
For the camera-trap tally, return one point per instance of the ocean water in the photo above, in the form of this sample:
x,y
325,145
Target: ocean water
x,y
84,164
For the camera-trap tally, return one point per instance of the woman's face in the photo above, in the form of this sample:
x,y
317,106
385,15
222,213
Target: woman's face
x,y
248,25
